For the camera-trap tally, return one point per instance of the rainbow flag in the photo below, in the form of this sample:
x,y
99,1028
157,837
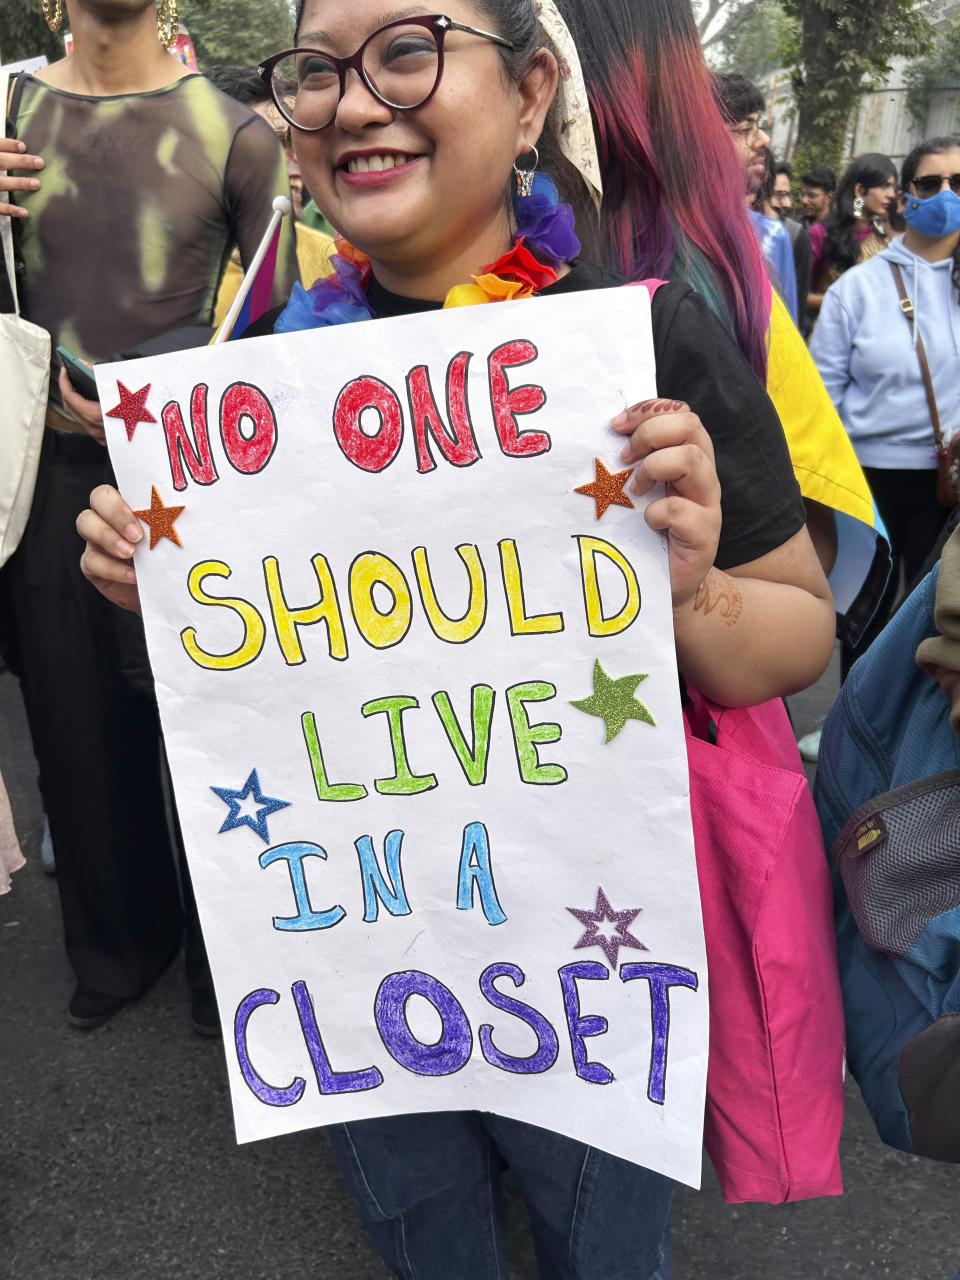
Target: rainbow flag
x,y
827,471
256,290
257,301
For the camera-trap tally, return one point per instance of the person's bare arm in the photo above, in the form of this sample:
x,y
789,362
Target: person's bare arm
x,y
758,631
761,630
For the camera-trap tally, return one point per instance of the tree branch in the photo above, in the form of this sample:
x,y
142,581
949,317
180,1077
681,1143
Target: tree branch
x,y
739,14
713,8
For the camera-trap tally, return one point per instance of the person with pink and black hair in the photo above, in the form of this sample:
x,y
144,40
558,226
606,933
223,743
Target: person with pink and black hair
x,y
673,203
674,209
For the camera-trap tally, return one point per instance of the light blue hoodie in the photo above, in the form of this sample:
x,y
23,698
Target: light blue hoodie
x,y
866,357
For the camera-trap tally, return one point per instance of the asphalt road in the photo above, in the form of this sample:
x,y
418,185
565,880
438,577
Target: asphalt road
x,y
118,1161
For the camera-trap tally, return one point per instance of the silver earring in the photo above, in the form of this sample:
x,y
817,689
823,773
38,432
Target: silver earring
x,y
858,206
524,177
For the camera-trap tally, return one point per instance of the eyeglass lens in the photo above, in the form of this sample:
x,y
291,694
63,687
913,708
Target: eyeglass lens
x,y
400,64
931,184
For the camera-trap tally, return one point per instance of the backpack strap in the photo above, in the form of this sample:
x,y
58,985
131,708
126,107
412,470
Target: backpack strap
x,y
14,92
11,91
650,285
906,306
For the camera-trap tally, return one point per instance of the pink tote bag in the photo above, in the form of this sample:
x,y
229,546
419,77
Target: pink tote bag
x,y
775,1074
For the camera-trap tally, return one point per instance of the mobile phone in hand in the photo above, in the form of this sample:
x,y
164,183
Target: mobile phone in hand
x,y
80,374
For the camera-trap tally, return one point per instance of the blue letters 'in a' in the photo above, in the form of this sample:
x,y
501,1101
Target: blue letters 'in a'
x,y
475,871
376,888
293,855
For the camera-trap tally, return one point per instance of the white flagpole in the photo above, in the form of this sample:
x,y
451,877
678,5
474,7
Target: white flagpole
x,y
281,208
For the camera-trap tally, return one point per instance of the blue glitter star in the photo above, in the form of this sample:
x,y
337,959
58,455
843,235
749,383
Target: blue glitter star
x,y
265,806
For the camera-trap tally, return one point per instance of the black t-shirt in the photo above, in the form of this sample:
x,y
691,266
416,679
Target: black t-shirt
x,y
697,361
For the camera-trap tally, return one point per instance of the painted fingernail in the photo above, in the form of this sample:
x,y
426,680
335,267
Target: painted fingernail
x,y
133,532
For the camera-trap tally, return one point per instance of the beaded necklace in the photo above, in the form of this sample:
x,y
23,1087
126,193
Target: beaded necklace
x,y
544,239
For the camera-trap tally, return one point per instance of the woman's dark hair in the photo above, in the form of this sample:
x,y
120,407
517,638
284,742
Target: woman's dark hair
x,y
673,203
932,147
513,19
871,170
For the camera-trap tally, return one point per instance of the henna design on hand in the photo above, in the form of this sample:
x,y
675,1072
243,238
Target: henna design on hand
x,y
659,406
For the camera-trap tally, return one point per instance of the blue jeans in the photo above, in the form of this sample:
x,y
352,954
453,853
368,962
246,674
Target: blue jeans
x,y
428,1188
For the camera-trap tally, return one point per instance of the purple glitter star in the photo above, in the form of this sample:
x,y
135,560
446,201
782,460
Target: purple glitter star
x,y
603,913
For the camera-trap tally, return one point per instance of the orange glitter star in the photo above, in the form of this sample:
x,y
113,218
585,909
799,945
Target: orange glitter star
x,y
159,519
607,488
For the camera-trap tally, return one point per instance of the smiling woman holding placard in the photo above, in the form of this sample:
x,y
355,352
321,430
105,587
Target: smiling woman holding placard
x,y
417,136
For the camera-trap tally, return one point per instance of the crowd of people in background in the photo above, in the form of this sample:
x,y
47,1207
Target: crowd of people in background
x,y
830,309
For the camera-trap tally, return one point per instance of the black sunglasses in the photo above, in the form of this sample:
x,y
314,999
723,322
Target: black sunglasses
x,y
401,64
931,184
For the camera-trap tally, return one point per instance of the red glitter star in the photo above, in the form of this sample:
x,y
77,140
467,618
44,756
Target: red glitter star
x,y
607,489
132,408
159,519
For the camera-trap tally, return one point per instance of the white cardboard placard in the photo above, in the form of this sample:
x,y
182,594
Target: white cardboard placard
x,y
426,879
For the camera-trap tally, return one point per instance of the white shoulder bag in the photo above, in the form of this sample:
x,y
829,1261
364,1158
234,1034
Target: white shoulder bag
x,y
24,379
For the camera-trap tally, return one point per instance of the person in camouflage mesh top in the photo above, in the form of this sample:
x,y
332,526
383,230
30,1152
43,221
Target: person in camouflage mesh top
x,y
141,200
133,181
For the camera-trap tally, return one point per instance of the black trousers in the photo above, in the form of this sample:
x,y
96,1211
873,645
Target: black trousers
x,y
907,500
89,698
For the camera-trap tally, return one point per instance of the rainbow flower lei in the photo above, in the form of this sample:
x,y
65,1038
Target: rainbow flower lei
x,y
544,239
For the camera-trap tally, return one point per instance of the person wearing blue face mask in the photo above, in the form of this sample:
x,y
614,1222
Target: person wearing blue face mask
x,y
877,321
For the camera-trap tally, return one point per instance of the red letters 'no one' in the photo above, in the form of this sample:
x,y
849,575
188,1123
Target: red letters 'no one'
x,y
374,452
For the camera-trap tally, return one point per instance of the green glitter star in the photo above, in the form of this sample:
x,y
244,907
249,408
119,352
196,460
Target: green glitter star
x,y
613,701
